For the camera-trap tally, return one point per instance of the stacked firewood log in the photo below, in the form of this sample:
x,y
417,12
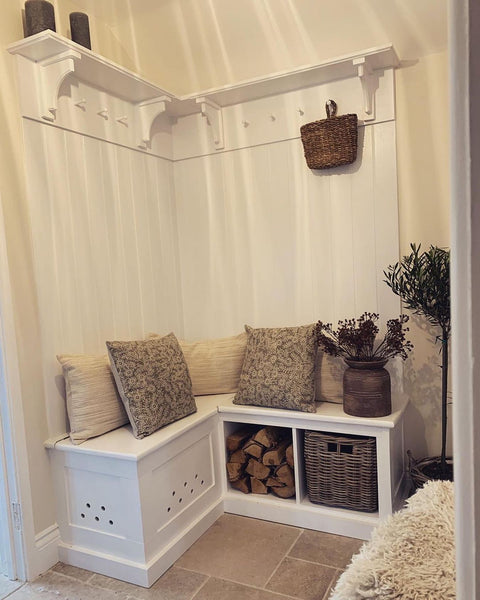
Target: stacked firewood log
x,y
261,461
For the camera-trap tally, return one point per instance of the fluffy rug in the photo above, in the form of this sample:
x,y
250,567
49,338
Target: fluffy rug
x,y
411,555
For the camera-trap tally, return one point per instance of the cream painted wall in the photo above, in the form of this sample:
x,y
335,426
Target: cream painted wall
x,y
194,44
17,225
191,45
12,188
424,206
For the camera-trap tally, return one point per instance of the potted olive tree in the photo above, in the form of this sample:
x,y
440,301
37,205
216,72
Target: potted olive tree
x,y
422,280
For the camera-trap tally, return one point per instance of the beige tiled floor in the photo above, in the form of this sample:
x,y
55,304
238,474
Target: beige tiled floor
x,y
236,559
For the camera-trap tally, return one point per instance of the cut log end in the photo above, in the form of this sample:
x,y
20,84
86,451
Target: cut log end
x,y
257,486
269,436
284,492
284,474
243,485
257,469
236,439
234,471
252,448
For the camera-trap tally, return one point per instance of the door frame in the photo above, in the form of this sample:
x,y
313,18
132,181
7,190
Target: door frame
x,y
464,57
18,533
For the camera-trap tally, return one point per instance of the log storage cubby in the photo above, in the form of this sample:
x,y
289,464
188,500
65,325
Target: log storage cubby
x,y
260,460
264,447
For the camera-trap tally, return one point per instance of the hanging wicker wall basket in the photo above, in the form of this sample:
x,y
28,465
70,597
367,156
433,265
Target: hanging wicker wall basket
x,y
331,142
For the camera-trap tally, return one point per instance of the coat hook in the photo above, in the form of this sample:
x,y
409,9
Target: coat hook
x,y
123,120
300,112
273,118
245,123
103,113
81,103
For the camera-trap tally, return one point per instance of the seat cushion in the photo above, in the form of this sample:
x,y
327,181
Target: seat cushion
x,y
93,404
214,365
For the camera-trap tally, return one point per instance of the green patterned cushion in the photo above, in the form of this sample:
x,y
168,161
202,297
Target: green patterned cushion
x,y
153,382
279,368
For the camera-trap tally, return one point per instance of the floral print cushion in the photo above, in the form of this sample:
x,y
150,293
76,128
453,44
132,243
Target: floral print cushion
x,y
153,381
279,368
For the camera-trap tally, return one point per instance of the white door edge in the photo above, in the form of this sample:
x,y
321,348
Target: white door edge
x,y
464,49
16,491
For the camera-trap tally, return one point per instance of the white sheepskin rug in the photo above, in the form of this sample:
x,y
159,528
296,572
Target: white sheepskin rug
x,y
411,555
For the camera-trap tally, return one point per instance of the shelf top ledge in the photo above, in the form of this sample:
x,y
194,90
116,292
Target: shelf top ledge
x,y
327,412
103,73
90,67
379,57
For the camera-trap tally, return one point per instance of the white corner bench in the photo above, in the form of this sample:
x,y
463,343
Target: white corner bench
x,y
129,508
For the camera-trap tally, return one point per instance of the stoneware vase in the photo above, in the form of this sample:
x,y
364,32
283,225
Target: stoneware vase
x,y
367,389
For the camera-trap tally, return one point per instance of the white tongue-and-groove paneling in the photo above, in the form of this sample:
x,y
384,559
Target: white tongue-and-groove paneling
x,y
104,240
126,243
266,241
279,117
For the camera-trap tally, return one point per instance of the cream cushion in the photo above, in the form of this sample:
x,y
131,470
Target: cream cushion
x,y
329,378
93,404
214,365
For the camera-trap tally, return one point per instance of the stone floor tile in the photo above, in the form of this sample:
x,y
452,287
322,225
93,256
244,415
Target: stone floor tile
x,y
334,582
175,584
7,586
220,589
55,586
325,548
25,593
302,579
240,549
75,572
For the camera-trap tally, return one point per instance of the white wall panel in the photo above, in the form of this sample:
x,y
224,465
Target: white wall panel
x,y
275,118
264,240
105,251
126,243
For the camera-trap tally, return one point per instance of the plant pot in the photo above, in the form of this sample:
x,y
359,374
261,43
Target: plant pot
x,y
367,389
428,469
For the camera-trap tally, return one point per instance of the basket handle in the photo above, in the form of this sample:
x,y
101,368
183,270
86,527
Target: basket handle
x,y
331,108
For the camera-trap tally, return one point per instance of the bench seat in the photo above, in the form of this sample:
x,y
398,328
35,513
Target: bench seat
x,y
129,508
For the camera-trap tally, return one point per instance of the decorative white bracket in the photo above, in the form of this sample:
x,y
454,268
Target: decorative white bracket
x,y
52,72
147,112
369,83
213,113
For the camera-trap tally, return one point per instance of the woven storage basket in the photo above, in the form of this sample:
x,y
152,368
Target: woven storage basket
x,y
331,142
341,470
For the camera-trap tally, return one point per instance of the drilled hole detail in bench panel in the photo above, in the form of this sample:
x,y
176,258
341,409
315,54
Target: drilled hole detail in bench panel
x,y
183,479
99,502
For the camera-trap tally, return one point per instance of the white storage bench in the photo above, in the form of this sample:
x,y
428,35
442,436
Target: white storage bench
x,y
129,508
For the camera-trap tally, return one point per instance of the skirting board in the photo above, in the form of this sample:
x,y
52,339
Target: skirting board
x,y
46,549
141,574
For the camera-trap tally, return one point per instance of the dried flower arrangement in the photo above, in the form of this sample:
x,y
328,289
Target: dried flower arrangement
x,y
354,339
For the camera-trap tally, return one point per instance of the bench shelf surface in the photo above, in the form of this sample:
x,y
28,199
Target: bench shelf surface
x,y
129,508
